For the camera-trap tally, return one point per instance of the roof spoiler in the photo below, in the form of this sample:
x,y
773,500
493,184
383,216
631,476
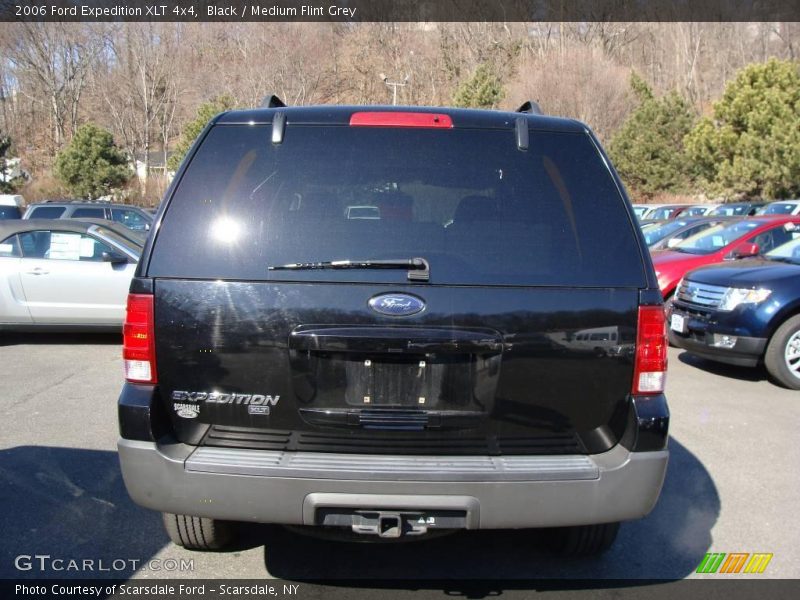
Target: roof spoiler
x,y
530,107
272,101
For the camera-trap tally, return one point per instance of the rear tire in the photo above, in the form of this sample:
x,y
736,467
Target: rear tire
x,y
784,348
198,533
584,540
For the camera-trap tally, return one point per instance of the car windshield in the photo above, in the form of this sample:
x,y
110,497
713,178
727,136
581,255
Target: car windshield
x,y
779,208
730,210
656,234
788,252
716,237
663,213
694,211
131,244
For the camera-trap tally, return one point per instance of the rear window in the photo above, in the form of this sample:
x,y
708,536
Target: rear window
x,y
47,212
95,213
478,209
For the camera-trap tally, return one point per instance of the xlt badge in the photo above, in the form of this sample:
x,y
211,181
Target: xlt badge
x,y
396,305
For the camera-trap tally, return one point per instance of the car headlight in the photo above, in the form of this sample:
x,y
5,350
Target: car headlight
x,y
735,296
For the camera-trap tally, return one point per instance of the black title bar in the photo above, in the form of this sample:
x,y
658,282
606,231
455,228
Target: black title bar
x,y
89,11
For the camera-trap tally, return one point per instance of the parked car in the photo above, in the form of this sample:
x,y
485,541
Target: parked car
x,y
663,212
63,274
736,209
131,217
744,313
673,232
287,364
651,208
11,206
695,210
782,207
728,241
640,209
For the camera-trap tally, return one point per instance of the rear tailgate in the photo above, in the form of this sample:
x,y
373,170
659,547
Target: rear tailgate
x,y
524,338
311,367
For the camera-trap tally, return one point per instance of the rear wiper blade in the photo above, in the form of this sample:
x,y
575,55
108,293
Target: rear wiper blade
x,y
418,268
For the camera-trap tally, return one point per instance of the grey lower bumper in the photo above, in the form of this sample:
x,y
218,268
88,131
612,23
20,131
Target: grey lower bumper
x,y
495,492
746,353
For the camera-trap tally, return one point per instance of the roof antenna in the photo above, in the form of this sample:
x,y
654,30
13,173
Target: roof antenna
x,y
272,101
530,107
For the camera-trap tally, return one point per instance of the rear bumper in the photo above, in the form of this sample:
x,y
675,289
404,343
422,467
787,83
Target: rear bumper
x,y
494,492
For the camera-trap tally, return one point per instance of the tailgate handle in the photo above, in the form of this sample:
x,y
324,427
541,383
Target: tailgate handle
x,y
401,340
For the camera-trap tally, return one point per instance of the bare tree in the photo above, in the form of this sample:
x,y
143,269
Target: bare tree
x,y
51,63
144,87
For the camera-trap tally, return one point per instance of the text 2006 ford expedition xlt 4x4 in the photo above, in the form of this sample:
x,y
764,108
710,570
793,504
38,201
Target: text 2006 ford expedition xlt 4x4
x,y
395,321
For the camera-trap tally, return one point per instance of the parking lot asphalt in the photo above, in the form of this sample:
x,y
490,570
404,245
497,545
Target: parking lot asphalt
x,y
732,486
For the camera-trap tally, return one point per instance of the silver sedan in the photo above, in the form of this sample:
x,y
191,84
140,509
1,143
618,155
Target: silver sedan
x,y
64,274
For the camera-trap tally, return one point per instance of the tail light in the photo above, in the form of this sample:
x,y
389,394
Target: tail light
x,y
650,370
138,342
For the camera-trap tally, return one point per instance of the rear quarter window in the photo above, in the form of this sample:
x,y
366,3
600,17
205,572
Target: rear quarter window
x,y
480,210
96,213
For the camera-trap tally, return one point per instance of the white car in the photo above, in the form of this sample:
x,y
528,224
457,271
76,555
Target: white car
x,y
63,274
11,206
781,207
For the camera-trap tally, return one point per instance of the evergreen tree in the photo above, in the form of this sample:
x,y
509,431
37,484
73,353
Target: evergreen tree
x,y
647,150
751,147
91,165
483,89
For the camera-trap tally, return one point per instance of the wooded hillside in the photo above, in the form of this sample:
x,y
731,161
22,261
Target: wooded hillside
x,y
145,82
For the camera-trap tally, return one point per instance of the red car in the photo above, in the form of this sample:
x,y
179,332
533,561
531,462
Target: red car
x,y
726,241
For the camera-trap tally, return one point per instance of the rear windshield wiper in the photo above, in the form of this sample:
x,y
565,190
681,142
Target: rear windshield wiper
x,y
418,268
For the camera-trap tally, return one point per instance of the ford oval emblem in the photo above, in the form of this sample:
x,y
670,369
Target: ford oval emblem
x,y
396,305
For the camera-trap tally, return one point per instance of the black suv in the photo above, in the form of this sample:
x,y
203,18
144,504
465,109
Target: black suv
x,y
393,321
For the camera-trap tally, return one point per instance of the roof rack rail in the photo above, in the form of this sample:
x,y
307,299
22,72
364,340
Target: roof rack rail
x,y
530,106
272,101
72,201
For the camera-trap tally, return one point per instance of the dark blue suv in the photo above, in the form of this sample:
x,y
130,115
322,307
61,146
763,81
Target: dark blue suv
x,y
745,312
